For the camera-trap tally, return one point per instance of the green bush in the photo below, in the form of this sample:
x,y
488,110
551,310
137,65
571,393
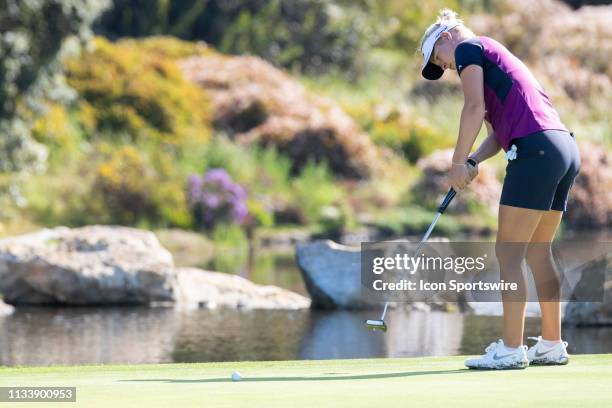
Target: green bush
x,y
59,131
32,35
406,20
122,187
409,134
413,219
271,185
134,90
110,185
131,189
309,35
313,190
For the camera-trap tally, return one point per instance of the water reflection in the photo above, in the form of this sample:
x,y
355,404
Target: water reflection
x,y
340,335
50,336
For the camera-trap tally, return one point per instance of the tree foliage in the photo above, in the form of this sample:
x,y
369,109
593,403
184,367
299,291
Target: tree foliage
x,y
308,35
32,34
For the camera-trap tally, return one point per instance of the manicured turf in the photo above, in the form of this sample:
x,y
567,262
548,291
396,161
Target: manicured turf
x,y
418,382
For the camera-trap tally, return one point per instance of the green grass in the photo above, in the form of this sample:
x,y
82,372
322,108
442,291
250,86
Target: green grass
x,y
417,382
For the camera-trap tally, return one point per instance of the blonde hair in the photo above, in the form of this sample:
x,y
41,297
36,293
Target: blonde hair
x,y
447,16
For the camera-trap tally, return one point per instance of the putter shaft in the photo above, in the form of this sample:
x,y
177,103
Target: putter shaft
x,y
423,240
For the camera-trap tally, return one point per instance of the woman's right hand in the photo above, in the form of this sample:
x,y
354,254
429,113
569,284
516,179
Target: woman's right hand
x,y
458,176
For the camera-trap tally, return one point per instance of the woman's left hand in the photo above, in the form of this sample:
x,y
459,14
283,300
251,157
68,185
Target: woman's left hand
x,y
459,177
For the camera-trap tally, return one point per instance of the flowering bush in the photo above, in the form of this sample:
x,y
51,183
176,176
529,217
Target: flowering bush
x,y
134,88
215,198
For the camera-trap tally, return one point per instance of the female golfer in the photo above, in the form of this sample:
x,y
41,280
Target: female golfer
x,y
543,161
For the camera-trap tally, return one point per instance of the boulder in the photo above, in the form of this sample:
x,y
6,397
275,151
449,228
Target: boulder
x,y
590,202
107,265
255,102
579,313
485,188
332,275
203,289
84,266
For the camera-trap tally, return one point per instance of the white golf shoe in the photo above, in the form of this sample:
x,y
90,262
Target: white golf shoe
x,y
541,354
498,357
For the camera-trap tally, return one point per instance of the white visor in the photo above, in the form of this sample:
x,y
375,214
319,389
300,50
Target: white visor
x,y
430,70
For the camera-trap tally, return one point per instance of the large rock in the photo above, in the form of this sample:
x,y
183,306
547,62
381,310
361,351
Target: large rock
x,y
332,274
82,266
590,202
101,265
255,102
485,188
203,289
598,313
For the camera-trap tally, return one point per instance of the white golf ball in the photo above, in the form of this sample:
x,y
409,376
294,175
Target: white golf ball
x,y
236,376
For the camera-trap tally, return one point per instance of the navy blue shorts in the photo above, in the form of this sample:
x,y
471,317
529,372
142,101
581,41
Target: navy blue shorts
x,y
542,174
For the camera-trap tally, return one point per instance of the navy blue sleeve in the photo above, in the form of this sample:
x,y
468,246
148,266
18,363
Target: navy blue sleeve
x,y
468,53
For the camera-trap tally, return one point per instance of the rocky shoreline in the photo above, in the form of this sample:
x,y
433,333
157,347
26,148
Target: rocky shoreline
x,y
111,265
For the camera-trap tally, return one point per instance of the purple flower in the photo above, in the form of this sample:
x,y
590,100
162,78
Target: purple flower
x,y
212,200
215,197
241,213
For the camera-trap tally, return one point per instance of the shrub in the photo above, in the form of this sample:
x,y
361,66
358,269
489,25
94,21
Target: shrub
x,y
135,90
402,130
264,170
122,186
413,219
313,190
310,35
31,38
59,133
406,20
110,184
215,198
273,189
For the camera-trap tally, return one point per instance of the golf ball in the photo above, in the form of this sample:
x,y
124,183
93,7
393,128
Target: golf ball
x,y
236,376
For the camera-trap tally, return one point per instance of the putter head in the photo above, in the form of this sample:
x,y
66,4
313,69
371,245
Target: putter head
x,y
376,325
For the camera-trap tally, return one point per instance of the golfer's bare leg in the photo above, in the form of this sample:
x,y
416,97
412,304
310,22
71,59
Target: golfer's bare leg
x,y
516,226
539,258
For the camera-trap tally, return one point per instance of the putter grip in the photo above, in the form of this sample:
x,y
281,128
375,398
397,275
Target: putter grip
x,y
447,200
452,193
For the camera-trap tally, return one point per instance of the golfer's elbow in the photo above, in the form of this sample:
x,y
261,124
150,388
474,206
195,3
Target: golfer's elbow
x,y
475,110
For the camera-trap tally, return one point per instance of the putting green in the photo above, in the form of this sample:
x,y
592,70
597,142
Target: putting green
x,y
412,382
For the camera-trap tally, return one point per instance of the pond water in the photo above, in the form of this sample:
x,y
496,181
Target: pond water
x,y
69,336
50,336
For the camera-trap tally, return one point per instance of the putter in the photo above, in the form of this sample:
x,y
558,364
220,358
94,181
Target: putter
x,y
380,324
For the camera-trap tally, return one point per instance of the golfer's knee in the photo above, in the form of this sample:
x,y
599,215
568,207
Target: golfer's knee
x,y
509,254
538,254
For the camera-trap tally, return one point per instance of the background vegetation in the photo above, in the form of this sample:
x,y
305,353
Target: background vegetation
x,y
107,129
